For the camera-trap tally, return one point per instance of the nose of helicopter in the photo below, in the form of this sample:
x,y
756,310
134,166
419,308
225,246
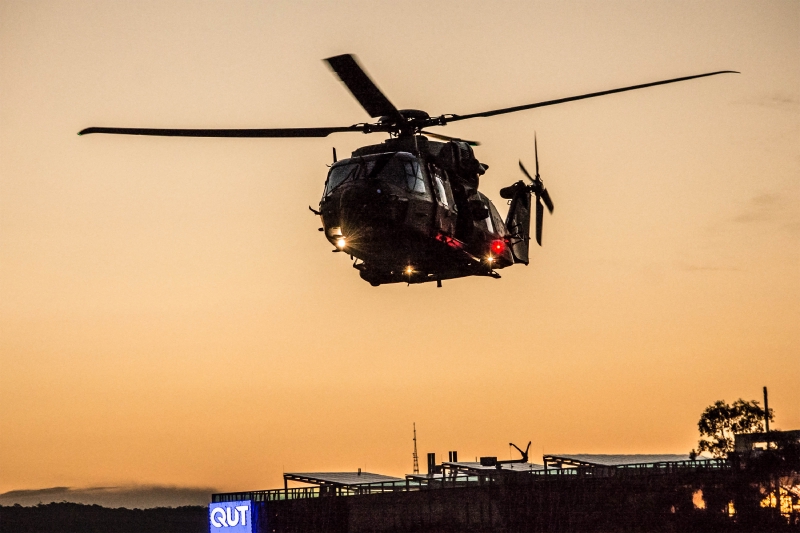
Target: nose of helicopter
x,y
349,215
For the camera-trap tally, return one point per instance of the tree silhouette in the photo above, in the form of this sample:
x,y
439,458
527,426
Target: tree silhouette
x,y
721,421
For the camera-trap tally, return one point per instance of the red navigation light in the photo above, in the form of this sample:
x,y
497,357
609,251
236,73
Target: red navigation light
x,y
498,247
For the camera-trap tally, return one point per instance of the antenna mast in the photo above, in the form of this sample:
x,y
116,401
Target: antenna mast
x,y
416,457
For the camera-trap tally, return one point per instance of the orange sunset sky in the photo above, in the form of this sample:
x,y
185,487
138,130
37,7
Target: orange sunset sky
x,y
169,314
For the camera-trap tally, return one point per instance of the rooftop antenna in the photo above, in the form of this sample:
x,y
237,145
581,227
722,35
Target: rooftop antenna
x,y
416,457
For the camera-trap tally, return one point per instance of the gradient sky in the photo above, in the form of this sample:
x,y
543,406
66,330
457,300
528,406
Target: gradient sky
x,y
169,314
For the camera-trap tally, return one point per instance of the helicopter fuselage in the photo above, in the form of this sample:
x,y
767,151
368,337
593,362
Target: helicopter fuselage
x,y
406,215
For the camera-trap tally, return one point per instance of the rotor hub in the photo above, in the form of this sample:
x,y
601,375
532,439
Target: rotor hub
x,y
406,122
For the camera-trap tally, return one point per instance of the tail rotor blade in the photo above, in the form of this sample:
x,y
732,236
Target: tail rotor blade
x,y
539,220
524,171
547,201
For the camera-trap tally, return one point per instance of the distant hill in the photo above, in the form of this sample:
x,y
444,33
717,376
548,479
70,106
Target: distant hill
x,y
129,496
79,518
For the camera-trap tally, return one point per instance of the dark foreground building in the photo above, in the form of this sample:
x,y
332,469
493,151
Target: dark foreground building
x,y
756,489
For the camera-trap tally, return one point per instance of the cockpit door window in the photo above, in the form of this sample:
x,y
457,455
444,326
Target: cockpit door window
x,y
497,221
449,192
441,195
414,178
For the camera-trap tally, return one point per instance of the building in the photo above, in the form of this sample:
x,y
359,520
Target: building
x,y
747,443
563,492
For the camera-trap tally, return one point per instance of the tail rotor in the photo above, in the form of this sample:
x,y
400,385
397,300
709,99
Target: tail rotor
x,y
539,191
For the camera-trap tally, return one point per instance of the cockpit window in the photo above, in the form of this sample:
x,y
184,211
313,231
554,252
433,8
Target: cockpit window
x,y
340,174
401,171
377,165
440,191
414,178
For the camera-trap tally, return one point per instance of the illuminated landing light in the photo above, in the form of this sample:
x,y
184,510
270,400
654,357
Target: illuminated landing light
x,y
490,259
498,247
409,270
341,243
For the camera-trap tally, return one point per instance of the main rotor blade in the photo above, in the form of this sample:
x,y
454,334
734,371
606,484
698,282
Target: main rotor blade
x,y
447,138
454,118
273,132
364,89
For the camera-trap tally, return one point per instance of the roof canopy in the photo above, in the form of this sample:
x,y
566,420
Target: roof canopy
x,y
586,459
477,467
340,479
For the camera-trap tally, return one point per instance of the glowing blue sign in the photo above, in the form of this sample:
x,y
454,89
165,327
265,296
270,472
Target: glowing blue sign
x,y
231,517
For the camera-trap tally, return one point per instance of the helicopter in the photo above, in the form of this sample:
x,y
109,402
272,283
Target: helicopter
x,y
408,210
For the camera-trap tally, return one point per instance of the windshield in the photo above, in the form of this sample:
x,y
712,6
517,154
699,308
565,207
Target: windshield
x,y
404,172
341,173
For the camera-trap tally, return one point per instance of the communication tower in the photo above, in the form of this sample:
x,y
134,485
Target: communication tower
x,y
416,458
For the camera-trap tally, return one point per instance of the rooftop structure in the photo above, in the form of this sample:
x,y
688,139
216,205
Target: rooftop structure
x,y
340,479
749,442
613,460
339,483
468,466
454,473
